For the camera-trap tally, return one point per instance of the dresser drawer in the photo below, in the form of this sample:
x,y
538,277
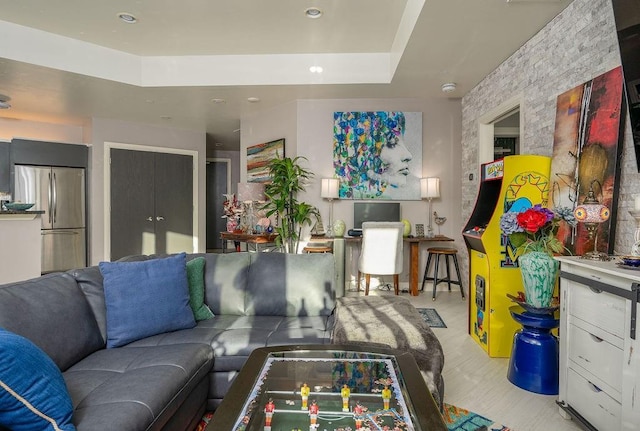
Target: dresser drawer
x,y
595,355
604,310
593,404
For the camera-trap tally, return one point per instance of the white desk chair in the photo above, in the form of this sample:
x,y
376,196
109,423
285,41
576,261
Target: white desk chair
x,y
381,252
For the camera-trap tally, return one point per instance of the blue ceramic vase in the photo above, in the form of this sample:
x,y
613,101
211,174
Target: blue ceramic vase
x,y
539,273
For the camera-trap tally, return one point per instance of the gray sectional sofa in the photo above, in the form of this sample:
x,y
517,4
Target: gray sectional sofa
x,y
167,381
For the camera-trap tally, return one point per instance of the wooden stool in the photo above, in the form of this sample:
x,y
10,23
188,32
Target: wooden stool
x,y
323,249
446,252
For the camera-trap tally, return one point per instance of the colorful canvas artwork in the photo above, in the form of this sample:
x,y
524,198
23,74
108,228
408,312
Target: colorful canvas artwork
x,y
378,155
586,154
258,158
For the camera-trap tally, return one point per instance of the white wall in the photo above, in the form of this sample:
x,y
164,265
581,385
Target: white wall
x,y
309,124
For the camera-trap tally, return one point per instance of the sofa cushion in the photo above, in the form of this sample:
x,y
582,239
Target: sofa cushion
x,y
195,276
90,282
136,388
145,298
226,282
46,310
33,394
282,284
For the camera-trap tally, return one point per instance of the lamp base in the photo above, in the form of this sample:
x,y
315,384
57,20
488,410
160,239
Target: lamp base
x,y
596,255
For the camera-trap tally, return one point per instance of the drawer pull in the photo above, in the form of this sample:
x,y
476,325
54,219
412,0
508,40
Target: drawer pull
x,y
594,290
584,359
593,387
596,339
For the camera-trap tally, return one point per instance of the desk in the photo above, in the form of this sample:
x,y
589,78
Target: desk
x,y
257,239
414,256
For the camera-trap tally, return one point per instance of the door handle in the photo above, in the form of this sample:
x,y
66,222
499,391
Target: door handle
x,y
149,218
159,218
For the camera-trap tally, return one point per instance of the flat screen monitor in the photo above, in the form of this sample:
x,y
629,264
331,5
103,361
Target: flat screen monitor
x,y
379,211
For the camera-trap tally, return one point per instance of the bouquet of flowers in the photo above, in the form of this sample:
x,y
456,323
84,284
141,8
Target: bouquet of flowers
x,y
535,229
231,207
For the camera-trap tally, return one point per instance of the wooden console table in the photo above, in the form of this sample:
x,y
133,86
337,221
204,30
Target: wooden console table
x,y
261,239
414,256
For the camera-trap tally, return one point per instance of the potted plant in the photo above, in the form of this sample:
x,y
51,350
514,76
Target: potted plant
x,y
288,178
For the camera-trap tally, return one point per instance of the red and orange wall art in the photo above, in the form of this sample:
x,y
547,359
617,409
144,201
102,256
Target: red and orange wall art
x,y
587,145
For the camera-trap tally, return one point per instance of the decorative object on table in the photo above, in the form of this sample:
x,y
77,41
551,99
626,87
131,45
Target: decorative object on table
x,y
438,220
588,145
533,235
339,228
631,262
318,227
419,230
592,214
251,195
521,301
232,211
429,189
407,228
17,206
258,158
329,191
288,178
378,155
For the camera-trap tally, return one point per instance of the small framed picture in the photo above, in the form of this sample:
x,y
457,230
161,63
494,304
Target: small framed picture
x,y
419,229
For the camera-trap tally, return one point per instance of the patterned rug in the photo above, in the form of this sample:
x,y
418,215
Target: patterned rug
x,y
459,419
456,418
431,317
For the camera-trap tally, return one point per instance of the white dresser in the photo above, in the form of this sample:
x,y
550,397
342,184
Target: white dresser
x,y
599,344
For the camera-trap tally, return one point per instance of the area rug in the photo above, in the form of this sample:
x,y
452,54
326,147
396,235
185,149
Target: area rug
x,y
456,418
431,317
459,419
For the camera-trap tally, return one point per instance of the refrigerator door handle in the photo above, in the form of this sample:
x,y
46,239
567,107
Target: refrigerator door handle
x,y
49,207
58,232
55,199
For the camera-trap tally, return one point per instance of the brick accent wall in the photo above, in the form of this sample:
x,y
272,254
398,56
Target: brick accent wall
x,y
576,46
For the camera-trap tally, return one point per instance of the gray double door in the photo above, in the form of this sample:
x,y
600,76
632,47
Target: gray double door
x,y
151,203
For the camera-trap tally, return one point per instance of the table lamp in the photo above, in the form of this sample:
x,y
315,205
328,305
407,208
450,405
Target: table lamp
x,y
249,194
592,214
329,190
429,189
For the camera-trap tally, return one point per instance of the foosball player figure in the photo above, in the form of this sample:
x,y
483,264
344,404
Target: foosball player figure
x,y
386,397
304,393
358,415
269,408
313,413
345,392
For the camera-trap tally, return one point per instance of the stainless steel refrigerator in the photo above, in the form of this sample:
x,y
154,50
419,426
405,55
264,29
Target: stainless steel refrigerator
x,y
60,193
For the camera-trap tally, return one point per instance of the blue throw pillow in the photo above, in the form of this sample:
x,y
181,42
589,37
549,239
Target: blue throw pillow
x,y
145,298
33,395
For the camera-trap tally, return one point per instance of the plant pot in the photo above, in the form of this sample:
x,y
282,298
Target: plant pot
x,y
539,274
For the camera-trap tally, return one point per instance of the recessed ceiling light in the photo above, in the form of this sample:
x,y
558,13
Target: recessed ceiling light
x,y
4,102
313,13
449,87
127,17
216,100
253,99
315,69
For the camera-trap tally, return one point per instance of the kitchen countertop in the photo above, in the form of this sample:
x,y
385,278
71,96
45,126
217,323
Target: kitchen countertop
x,y
21,212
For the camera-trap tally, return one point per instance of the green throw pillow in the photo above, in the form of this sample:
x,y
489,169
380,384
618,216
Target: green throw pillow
x,y
195,275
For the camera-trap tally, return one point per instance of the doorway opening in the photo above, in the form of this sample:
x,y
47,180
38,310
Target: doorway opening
x,y
500,131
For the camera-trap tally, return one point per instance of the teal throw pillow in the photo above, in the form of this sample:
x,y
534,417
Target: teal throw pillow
x,y
195,275
33,395
145,298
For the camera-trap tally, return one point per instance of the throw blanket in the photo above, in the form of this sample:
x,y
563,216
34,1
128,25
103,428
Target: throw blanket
x,y
391,321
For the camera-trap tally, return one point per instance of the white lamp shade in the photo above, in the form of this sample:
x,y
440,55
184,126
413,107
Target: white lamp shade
x,y
250,192
330,188
430,187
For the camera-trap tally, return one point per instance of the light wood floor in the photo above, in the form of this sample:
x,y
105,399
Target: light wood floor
x,y
477,382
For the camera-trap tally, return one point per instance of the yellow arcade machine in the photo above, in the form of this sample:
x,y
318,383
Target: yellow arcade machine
x,y
514,183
